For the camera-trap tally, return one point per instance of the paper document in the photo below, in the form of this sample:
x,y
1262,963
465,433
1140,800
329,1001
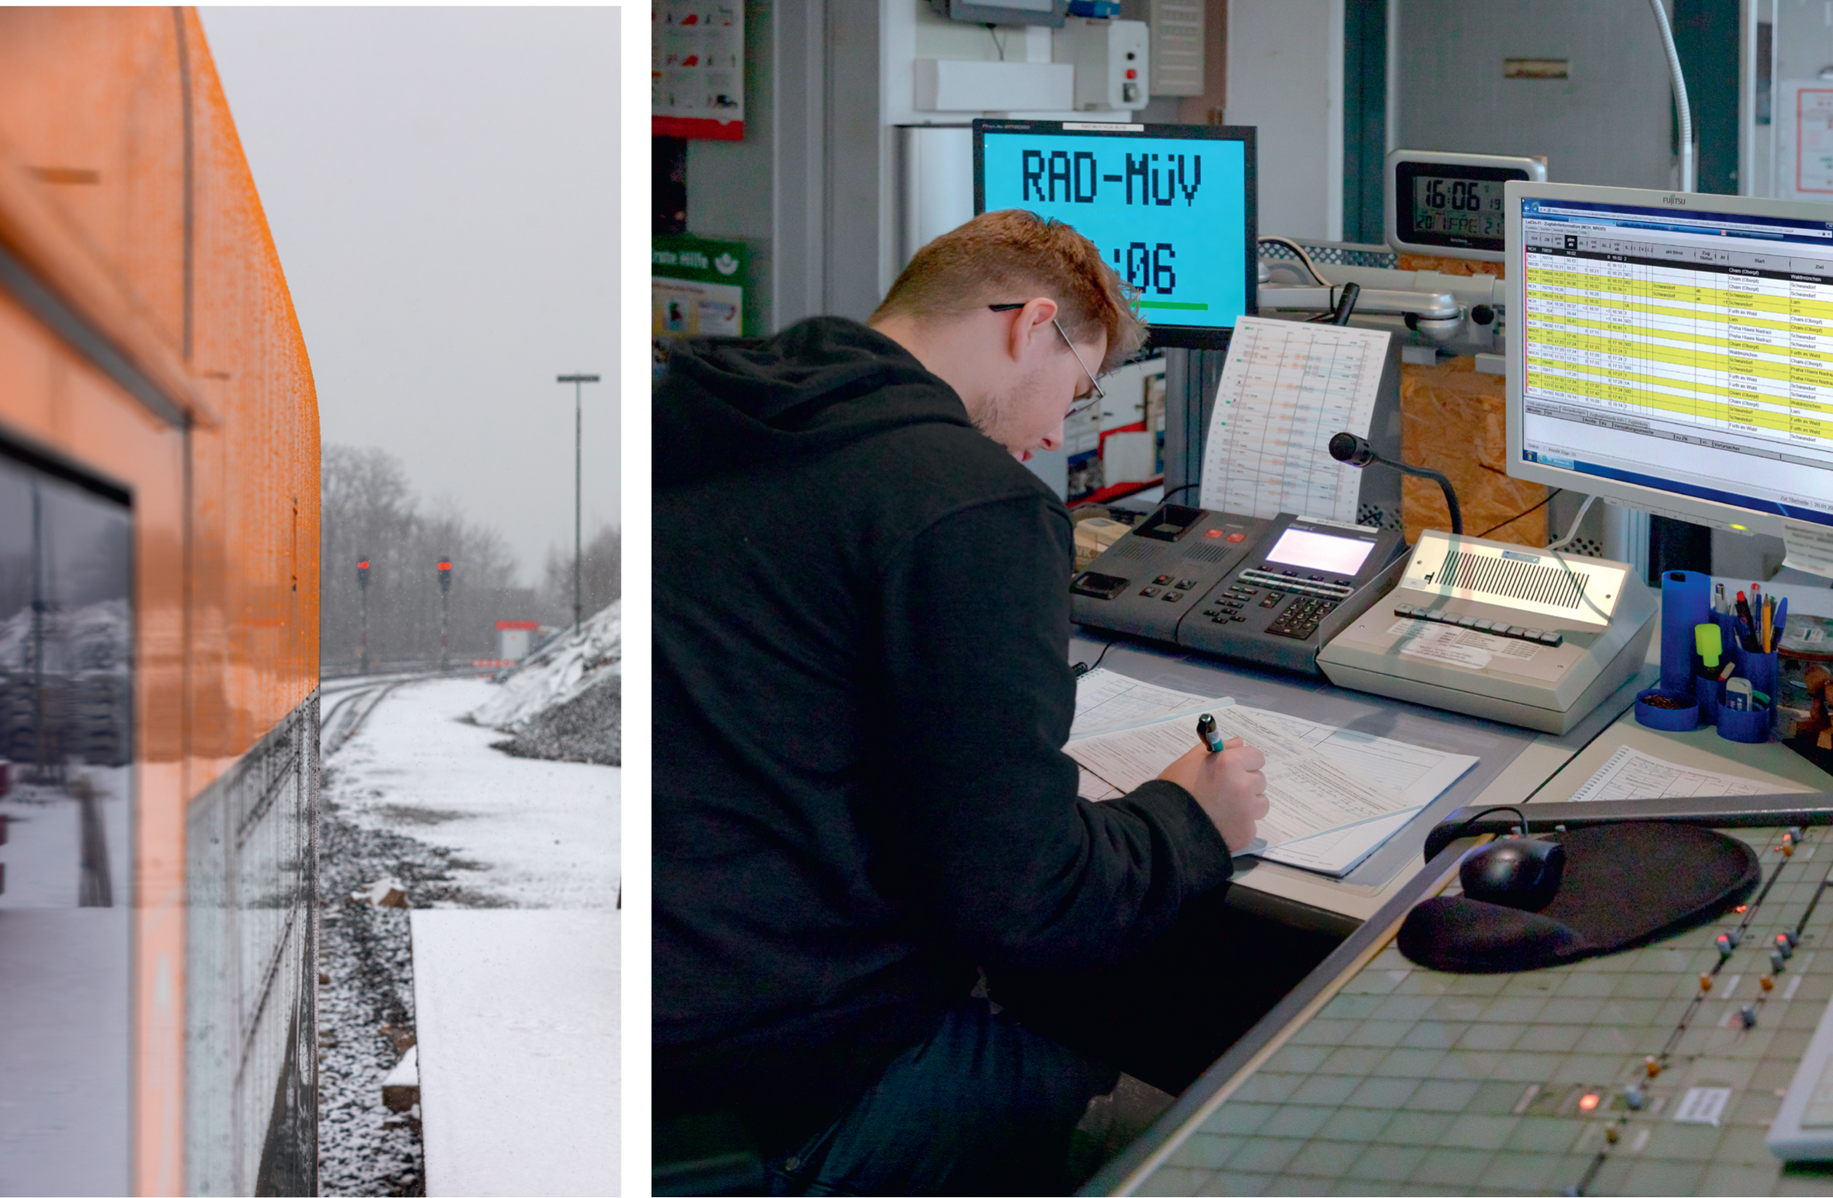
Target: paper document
x,y
1107,702
1410,775
1631,774
1416,773
1340,851
1308,792
1807,547
1286,389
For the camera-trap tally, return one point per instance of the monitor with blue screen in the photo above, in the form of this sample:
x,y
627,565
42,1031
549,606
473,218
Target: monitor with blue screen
x,y
1170,206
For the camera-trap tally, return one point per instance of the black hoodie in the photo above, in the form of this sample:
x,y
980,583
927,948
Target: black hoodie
x,y
861,610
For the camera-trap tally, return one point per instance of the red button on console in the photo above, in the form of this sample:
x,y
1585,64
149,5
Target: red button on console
x,y
1236,538
1214,532
1132,74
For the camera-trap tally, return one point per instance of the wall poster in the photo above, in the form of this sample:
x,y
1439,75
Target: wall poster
x,y
697,69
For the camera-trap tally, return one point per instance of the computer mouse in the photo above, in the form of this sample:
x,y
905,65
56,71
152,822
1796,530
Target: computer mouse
x,y
1516,871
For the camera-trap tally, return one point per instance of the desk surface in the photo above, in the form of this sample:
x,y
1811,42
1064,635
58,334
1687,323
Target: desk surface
x,y
1512,763
1379,1076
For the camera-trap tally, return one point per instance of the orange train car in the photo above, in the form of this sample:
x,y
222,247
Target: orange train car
x,y
159,510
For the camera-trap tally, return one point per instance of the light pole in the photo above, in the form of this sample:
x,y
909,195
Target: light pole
x,y
576,380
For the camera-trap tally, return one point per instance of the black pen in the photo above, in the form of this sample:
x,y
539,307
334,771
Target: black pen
x,y
1206,732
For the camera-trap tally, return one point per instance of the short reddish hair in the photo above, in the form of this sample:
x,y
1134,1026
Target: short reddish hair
x,y
1010,255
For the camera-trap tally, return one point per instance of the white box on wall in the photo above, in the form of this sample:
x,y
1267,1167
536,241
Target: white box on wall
x,y
961,85
1177,47
1110,60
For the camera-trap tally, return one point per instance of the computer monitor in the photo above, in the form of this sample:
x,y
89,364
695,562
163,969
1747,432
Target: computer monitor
x,y
1673,351
1170,206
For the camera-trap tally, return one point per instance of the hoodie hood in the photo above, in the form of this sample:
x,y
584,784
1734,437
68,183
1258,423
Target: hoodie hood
x,y
819,385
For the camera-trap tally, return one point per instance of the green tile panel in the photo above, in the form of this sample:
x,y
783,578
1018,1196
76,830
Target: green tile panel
x,y
1414,1082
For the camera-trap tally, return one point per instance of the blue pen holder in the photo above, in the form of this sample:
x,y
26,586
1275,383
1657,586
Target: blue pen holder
x,y
1708,691
1686,600
1752,727
1681,718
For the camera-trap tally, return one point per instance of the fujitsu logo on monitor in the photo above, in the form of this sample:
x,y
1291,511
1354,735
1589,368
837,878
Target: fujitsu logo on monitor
x,y
1674,198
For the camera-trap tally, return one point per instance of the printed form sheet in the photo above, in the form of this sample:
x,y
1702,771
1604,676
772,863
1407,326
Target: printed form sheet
x,y
1334,795
1286,389
1415,772
1108,702
1630,774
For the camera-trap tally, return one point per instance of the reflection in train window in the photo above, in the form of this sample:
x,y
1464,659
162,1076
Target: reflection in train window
x,y
66,802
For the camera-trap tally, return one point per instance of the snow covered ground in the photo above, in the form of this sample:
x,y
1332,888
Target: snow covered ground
x,y
524,833
517,1017
418,795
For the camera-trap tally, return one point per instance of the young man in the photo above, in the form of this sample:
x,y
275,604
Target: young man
x,y
861,698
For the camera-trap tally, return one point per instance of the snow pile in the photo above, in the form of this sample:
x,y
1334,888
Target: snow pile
x,y
563,702
560,671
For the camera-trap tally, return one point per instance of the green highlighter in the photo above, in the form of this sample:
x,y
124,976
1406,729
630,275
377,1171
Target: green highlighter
x,y
1709,641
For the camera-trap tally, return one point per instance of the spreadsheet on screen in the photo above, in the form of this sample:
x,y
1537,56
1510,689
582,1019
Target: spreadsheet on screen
x,y
1692,353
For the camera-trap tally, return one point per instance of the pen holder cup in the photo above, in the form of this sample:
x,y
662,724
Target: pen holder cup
x,y
1686,601
1667,710
1708,692
1752,727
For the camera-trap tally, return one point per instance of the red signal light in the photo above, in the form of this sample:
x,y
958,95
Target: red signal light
x,y
362,565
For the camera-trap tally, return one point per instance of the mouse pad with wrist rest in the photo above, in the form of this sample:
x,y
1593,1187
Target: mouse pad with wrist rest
x,y
1624,885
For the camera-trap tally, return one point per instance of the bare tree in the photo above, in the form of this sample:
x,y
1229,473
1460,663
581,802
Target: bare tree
x,y
601,580
370,513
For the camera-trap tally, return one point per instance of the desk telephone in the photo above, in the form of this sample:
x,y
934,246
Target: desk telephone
x,y
1271,591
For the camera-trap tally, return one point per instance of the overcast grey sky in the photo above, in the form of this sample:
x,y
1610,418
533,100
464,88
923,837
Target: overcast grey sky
x,y
442,187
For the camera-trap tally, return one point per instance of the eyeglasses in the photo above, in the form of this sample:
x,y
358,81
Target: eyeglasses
x,y
1085,403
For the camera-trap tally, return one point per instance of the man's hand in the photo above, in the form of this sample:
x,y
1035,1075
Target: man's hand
x,y
1228,786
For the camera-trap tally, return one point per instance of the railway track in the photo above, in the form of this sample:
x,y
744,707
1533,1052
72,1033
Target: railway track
x,y
352,708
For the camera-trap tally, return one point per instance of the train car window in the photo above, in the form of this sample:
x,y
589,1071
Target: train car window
x,y
67,812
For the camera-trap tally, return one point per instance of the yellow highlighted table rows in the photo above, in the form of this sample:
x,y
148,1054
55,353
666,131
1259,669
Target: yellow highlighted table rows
x,y
1627,398
1542,326
1688,362
1685,383
1709,314
1815,299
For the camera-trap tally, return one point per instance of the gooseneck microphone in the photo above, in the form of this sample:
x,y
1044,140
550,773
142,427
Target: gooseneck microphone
x,y
1355,451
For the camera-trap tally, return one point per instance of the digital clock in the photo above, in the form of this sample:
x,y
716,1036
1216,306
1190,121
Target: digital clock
x,y
1451,204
